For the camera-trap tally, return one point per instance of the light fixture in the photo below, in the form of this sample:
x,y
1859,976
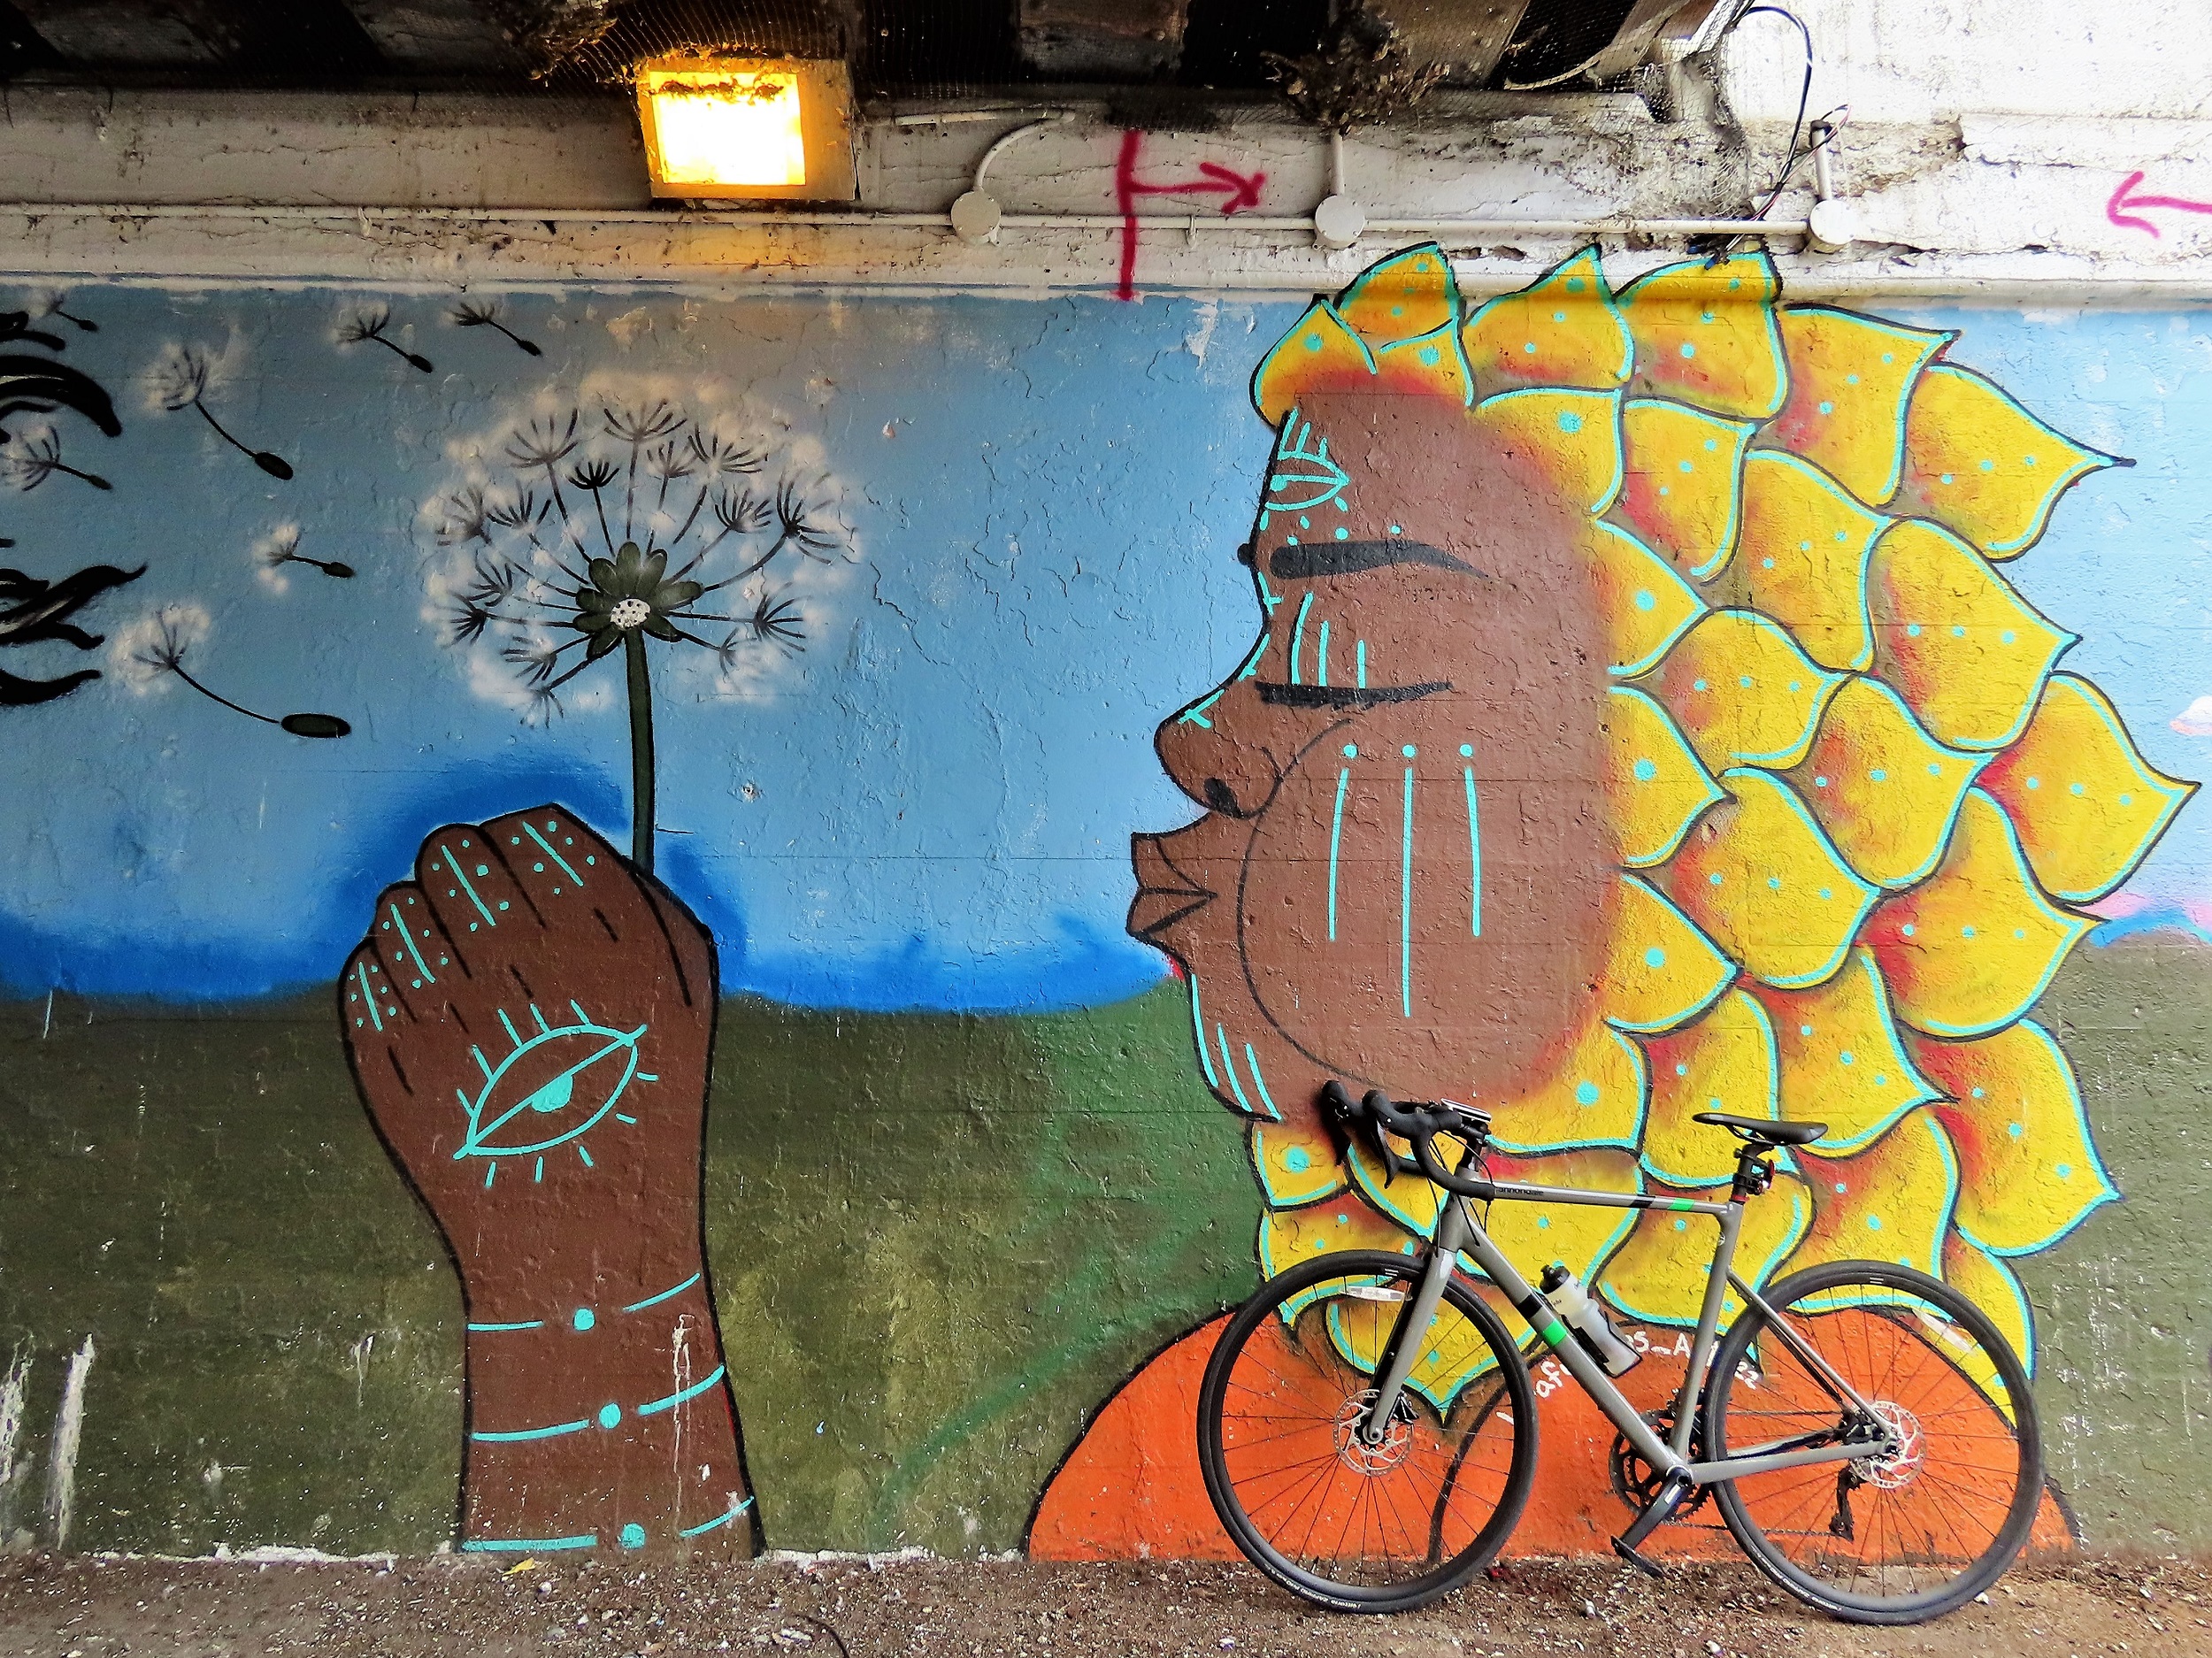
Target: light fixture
x,y
769,129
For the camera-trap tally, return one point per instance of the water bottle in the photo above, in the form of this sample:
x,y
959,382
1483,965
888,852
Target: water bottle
x,y
1582,1313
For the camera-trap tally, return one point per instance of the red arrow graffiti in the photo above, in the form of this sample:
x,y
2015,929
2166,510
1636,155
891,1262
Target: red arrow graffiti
x,y
2122,199
1237,190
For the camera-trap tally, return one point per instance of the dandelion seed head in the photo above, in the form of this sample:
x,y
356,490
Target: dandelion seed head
x,y
145,654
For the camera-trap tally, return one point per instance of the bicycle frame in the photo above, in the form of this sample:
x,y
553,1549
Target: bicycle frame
x,y
1458,1232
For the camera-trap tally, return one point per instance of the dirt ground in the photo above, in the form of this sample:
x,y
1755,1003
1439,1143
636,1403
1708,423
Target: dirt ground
x,y
83,1607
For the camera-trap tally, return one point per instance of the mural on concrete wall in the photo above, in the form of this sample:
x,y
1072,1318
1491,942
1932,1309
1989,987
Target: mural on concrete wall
x,y
1642,724
535,1000
33,610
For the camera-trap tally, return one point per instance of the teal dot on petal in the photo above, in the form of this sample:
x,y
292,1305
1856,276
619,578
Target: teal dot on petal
x,y
1714,878
1466,750
1647,600
584,1319
1680,1224
1569,421
1313,342
1655,957
1689,350
1408,751
1646,771
1428,355
1874,1223
1827,407
1585,1093
2065,1170
1351,751
1296,1160
1908,929
1343,535
609,1415
633,1536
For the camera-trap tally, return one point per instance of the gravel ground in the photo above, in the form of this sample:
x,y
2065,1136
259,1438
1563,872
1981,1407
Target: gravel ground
x,y
81,1606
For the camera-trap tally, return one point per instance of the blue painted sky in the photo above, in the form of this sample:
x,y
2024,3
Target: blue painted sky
x,y
930,805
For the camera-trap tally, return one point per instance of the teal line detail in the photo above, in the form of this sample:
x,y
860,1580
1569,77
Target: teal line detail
x,y
1360,665
1260,1082
1198,1030
1336,834
513,1035
421,966
482,1064
1196,714
1405,905
522,1545
655,1300
586,1155
453,868
1321,658
519,1434
540,1175
1474,854
538,1019
361,970
719,1519
1252,663
1268,597
546,847
673,1399
1235,1086
491,1173
1298,634
530,1323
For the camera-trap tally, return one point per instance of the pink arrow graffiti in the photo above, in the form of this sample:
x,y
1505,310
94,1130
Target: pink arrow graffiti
x,y
2122,199
1237,190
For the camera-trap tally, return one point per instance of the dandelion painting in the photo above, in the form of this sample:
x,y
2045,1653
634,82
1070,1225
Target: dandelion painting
x,y
593,530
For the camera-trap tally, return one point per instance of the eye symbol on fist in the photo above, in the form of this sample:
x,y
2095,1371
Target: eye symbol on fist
x,y
572,1074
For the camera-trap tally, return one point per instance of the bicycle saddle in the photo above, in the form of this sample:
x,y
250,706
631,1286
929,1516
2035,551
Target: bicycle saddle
x,y
1765,1129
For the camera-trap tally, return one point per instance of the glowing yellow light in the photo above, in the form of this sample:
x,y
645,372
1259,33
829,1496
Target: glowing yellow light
x,y
725,128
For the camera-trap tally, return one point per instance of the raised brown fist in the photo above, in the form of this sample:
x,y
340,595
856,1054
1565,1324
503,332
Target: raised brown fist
x,y
531,1025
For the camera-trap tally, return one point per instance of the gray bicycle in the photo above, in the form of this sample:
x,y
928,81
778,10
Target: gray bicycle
x,y
1368,1427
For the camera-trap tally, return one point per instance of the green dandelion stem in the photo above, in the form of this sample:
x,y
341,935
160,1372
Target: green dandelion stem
x,y
640,687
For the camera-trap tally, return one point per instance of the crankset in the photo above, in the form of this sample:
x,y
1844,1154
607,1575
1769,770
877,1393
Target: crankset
x,y
1637,1483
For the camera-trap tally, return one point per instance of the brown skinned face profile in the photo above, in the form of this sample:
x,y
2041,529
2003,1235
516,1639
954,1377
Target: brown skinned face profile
x,y
1403,877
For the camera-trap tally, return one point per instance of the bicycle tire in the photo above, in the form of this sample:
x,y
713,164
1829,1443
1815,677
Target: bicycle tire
x,y
1466,1466
1912,1345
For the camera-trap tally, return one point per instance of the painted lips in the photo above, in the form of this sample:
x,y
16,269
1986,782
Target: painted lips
x,y
1165,894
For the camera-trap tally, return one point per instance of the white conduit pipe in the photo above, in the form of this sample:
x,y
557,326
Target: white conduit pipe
x,y
1455,229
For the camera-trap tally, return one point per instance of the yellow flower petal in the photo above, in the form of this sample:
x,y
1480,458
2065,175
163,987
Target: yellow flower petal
x,y
1658,1276
2088,807
1572,437
1725,1062
1989,1284
1593,1097
1973,946
1532,1235
1320,353
1742,692
1427,365
1890,1202
1979,462
1968,652
1297,1163
1850,378
2029,1171
1705,334
1660,972
1407,293
1761,879
1289,1236
1886,791
1454,1352
1842,1060
1803,557
1645,606
1655,783
1562,330
1683,471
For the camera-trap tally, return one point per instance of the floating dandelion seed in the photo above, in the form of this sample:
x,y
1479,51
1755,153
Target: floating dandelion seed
x,y
179,382
283,549
482,314
53,308
157,646
34,458
617,533
367,327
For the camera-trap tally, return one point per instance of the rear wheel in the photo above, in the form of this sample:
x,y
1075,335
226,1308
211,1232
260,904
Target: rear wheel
x,y
1909,1534
1359,1527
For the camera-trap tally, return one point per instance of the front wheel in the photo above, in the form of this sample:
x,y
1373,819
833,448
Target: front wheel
x,y
1358,1526
1908,1534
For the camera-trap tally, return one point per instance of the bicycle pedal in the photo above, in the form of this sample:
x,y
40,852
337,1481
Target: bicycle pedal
x,y
1641,1561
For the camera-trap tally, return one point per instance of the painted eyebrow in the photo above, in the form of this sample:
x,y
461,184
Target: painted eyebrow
x,y
1349,696
1306,560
